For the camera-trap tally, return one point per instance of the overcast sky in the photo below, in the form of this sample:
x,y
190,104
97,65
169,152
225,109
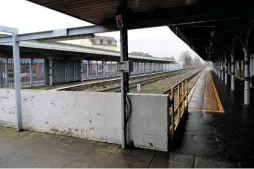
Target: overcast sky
x,y
28,17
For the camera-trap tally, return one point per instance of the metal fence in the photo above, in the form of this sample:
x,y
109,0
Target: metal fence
x,y
99,69
32,73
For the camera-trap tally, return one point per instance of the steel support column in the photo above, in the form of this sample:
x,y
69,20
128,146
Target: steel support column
x,y
16,58
50,71
81,69
31,71
111,72
232,72
103,65
137,67
87,70
96,69
124,84
6,74
246,77
65,71
144,67
74,70
226,71
1,73
216,66
221,68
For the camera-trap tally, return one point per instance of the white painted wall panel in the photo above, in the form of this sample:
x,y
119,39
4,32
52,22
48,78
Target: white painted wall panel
x,y
149,121
95,116
79,114
7,108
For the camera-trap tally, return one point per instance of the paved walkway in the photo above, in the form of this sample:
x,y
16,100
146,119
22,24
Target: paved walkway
x,y
32,149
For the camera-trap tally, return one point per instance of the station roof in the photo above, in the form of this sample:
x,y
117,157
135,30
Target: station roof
x,y
63,50
101,12
196,19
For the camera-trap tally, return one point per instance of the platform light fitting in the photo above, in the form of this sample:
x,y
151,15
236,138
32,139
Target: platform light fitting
x,y
212,33
119,21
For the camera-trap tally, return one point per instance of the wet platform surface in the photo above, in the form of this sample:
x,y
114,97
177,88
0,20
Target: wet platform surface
x,y
205,97
225,136
32,149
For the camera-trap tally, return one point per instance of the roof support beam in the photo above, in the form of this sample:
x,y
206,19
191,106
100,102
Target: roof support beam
x,y
62,34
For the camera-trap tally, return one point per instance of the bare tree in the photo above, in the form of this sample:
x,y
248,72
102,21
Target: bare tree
x,y
197,62
186,59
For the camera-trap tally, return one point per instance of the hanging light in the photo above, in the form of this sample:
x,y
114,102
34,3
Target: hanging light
x,y
212,33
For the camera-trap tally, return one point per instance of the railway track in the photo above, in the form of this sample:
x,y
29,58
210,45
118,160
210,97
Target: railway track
x,y
163,86
142,82
188,79
112,85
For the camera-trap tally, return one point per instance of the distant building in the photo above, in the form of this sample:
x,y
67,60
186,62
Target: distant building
x,y
141,54
102,42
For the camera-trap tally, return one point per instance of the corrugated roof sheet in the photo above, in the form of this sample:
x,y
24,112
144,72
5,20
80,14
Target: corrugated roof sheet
x,y
81,49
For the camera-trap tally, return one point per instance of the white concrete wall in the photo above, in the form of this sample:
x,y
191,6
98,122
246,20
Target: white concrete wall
x,y
149,121
79,114
95,116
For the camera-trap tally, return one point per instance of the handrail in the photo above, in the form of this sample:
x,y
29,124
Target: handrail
x,y
179,101
178,106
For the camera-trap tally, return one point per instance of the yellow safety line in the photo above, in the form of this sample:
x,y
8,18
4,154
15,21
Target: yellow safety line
x,y
205,110
195,110
221,109
213,111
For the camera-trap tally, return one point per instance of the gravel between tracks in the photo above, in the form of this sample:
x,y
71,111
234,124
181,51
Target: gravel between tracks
x,y
161,86
116,83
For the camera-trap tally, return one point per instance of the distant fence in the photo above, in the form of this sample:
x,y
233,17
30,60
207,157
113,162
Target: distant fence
x,y
32,74
99,69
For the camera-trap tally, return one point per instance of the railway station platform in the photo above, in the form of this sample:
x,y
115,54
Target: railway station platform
x,y
216,131
218,126
212,126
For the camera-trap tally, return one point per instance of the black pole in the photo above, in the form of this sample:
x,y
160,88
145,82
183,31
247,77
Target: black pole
x,y
124,82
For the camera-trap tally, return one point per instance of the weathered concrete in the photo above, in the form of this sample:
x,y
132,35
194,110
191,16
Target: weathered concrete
x,y
31,149
94,116
149,121
78,114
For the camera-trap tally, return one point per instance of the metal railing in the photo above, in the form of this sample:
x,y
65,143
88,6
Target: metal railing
x,y
178,103
107,69
31,75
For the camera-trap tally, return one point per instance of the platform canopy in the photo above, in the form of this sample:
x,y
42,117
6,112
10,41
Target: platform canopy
x,y
225,20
